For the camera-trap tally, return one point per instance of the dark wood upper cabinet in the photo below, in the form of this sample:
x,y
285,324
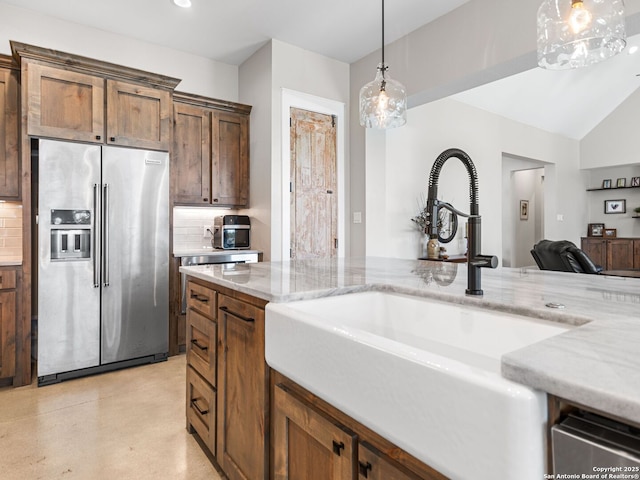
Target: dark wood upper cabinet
x,y
210,151
192,154
65,104
77,98
230,159
138,116
9,138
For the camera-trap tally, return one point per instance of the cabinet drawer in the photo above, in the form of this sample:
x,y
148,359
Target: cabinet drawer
x,y
239,310
7,279
201,408
202,299
202,345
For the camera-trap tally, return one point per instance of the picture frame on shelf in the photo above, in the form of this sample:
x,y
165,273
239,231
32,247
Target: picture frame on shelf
x,y
524,209
621,183
606,183
615,206
635,181
610,232
595,230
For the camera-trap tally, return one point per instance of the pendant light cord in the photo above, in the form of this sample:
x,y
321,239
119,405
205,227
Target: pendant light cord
x,y
383,34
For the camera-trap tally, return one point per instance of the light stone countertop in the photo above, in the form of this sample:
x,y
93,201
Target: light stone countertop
x,y
596,364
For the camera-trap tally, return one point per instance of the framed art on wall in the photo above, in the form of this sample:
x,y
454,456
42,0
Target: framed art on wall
x,y
606,183
615,206
621,183
524,209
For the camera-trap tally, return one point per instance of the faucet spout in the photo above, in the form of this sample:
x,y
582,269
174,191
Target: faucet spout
x,y
475,260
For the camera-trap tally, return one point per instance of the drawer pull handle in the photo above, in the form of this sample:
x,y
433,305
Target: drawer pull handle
x,y
337,447
364,469
195,343
237,315
197,408
200,298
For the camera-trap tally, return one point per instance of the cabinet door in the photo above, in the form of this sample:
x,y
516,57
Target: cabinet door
x,y
636,254
191,161
243,399
619,254
7,332
64,104
201,408
596,249
374,466
9,170
307,445
230,159
138,116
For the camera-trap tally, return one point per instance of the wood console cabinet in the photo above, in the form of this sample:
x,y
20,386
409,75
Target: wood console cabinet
x,y
9,137
228,379
9,288
76,98
210,152
613,253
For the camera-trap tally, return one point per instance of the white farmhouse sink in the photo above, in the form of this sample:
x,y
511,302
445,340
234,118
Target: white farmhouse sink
x,y
423,374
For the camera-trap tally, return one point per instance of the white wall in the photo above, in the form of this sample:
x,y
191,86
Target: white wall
x,y
478,42
294,69
615,140
625,224
199,75
396,178
255,90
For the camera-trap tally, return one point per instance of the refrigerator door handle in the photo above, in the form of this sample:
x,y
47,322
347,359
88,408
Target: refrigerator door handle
x,y
105,233
96,235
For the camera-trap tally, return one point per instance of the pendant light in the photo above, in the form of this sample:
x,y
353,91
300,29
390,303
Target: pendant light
x,y
578,33
383,102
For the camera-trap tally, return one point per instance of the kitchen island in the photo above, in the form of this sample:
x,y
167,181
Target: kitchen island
x,y
596,365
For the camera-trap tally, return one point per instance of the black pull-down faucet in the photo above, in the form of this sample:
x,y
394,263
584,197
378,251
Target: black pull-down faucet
x,y
475,260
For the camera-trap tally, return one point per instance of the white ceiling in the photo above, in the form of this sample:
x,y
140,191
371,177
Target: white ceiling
x,y
230,31
567,102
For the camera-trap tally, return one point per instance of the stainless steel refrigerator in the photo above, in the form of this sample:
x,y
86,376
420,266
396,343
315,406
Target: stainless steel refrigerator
x,y
103,258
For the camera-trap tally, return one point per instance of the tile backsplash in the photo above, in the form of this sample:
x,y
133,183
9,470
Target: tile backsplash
x,y
10,232
188,226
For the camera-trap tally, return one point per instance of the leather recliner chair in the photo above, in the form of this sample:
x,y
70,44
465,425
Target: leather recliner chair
x,y
562,256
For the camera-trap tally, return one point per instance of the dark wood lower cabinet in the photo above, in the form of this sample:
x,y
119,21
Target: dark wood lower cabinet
x,y
313,440
307,445
9,288
257,423
243,395
613,253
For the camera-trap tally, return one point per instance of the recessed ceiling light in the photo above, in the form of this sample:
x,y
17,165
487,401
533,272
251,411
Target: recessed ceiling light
x,y
633,49
182,3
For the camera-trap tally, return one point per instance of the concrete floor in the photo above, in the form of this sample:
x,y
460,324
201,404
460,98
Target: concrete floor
x,y
128,424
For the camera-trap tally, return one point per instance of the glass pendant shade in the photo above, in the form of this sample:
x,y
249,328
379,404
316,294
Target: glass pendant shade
x,y
578,33
383,102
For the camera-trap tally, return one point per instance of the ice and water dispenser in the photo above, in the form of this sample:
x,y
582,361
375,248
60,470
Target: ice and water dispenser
x,y
70,235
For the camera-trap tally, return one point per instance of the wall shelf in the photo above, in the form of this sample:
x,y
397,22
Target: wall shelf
x,y
612,188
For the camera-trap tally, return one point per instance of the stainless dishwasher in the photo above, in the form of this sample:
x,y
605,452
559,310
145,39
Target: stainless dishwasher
x,y
230,257
592,446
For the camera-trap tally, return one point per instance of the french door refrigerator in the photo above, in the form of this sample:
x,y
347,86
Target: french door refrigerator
x,y
103,258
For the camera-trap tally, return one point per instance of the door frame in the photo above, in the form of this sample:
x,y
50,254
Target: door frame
x,y
304,101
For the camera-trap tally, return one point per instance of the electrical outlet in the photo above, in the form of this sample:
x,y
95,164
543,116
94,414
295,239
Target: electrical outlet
x,y
205,231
